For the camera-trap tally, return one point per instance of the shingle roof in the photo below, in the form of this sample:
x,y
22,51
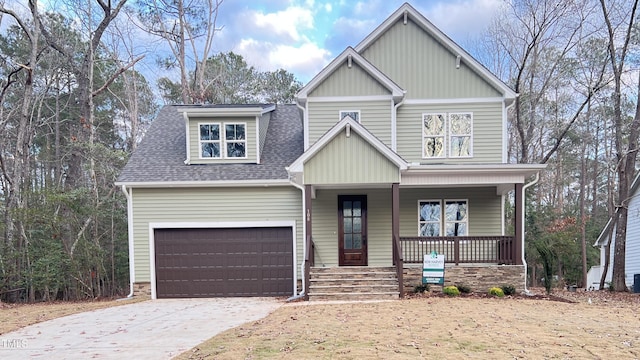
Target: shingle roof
x,y
161,154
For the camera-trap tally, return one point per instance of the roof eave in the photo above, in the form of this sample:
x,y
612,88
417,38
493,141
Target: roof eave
x,y
196,184
212,111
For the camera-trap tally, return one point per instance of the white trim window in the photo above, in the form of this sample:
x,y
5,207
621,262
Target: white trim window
x,y
452,219
433,139
460,134
223,140
235,140
456,218
353,114
447,135
429,217
210,140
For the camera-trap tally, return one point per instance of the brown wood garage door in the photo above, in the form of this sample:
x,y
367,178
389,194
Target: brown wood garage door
x,y
224,262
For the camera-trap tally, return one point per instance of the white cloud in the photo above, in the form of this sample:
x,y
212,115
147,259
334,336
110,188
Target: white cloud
x,y
328,7
288,22
304,60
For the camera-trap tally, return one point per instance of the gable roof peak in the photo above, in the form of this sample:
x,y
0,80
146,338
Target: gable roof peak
x,y
407,12
350,56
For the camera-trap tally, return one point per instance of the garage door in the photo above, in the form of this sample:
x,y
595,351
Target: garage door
x,y
224,262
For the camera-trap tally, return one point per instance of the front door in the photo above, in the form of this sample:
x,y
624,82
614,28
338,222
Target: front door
x,y
352,230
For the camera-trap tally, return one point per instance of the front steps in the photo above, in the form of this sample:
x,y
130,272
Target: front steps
x,y
353,283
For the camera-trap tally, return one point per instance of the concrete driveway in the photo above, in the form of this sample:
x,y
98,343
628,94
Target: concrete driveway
x,y
155,329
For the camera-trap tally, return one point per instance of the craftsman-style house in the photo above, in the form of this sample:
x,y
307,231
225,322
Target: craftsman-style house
x,y
396,149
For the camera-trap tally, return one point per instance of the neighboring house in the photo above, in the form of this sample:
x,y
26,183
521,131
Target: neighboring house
x,y
632,247
396,149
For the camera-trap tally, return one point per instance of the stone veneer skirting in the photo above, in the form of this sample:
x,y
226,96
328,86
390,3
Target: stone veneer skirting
x,y
479,277
142,289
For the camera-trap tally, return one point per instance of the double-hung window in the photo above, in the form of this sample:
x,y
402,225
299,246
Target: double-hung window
x,y
434,219
210,140
223,140
446,135
235,140
433,130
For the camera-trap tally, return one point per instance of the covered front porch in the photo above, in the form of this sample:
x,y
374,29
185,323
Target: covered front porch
x,y
366,207
379,226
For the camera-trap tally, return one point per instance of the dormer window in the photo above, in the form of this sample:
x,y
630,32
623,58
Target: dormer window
x,y
223,140
235,140
210,140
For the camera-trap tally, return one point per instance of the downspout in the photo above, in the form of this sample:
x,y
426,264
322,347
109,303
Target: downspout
x,y
304,124
304,243
524,191
130,236
394,128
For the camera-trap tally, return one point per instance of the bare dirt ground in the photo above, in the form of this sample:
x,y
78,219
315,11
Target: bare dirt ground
x,y
16,316
567,325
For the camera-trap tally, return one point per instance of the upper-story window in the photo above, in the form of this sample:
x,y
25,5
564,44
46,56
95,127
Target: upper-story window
x,y
446,135
223,140
354,114
450,220
210,140
460,134
235,140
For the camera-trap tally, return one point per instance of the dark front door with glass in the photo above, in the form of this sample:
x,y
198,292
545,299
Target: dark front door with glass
x,y
352,230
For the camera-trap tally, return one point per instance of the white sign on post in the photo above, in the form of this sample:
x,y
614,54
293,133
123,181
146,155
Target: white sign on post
x,y
433,269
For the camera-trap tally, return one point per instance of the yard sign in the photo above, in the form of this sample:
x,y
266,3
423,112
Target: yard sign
x,y
433,269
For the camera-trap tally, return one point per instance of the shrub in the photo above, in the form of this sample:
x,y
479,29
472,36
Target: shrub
x,y
496,291
508,289
464,289
451,290
611,287
421,288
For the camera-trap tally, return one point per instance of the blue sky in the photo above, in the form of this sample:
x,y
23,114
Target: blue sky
x,y
302,36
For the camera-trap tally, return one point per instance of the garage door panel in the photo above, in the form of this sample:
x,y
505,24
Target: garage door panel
x,y
224,262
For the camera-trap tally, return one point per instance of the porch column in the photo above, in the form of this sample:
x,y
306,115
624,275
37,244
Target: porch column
x,y
307,210
518,233
395,216
309,253
395,236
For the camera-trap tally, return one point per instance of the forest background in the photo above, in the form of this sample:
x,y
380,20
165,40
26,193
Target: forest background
x,y
74,103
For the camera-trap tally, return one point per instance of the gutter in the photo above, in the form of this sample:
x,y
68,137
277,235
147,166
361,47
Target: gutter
x,y
524,191
130,236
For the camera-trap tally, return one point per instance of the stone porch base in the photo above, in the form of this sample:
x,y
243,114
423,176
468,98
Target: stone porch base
x,y
142,289
479,277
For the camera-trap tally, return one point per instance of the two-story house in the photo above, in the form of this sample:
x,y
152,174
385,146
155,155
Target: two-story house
x,y
396,149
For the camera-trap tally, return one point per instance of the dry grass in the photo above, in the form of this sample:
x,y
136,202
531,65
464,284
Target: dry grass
x,y
16,316
437,328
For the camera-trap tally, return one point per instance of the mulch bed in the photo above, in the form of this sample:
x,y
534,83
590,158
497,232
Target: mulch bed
x,y
560,295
